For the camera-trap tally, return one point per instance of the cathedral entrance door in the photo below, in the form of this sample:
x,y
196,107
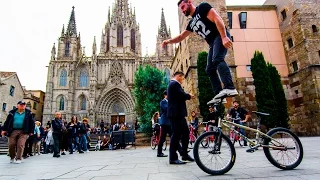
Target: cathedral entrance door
x,y
114,119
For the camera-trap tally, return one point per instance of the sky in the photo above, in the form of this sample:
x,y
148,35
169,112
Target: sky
x,y
29,29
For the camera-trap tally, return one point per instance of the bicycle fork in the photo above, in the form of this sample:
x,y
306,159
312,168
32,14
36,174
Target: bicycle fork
x,y
217,143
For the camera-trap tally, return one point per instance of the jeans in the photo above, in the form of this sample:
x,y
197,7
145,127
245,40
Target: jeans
x,y
215,61
83,142
243,132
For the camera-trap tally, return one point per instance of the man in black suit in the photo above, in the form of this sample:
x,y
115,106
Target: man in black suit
x,y
177,111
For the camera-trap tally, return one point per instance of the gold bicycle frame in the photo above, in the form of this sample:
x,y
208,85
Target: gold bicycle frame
x,y
252,143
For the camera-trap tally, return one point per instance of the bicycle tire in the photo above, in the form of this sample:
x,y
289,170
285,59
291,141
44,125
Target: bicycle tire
x,y
153,143
199,162
272,160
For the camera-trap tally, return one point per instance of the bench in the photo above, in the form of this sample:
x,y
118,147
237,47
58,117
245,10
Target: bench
x,y
127,137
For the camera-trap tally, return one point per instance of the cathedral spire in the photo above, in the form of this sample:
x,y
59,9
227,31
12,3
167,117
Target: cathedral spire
x,y
122,7
94,46
53,52
109,15
62,32
72,28
163,32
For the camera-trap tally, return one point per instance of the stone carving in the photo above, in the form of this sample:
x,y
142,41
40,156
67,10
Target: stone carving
x,y
116,73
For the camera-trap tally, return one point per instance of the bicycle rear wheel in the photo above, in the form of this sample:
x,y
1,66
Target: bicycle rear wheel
x,y
218,157
153,142
287,155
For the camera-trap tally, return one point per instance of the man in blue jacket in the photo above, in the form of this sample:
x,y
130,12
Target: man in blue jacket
x,y
177,111
164,123
18,126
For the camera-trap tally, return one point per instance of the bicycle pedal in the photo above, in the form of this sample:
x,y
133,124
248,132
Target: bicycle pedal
x,y
250,150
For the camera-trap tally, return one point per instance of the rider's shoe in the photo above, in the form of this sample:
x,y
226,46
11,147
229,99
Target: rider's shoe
x,y
251,150
226,92
215,101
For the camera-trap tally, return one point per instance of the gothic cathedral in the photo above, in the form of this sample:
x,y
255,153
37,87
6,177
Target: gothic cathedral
x,y
100,87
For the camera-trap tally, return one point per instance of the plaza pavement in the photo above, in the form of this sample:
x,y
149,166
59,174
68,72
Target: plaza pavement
x,y
142,164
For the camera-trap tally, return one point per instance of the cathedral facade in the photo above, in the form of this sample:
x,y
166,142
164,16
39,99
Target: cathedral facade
x,y
100,87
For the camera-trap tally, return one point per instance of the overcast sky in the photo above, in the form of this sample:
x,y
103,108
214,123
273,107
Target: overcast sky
x,y
30,27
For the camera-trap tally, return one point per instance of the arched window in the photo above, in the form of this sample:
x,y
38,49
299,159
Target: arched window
x,y
61,104
120,36
83,103
67,49
63,78
314,29
83,79
133,39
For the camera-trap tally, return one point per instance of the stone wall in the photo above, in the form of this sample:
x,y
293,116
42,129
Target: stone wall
x,y
5,96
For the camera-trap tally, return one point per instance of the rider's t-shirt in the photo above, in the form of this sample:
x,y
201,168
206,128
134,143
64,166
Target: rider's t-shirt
x,y
201,25
239,113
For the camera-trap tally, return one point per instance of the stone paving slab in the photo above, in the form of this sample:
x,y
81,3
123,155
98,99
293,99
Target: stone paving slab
x,y
142,164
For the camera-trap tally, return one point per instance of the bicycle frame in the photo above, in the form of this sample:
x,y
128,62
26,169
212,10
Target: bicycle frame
x,y
254,144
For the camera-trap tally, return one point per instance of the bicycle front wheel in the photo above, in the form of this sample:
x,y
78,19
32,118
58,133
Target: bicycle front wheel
x,y
218,157
285,150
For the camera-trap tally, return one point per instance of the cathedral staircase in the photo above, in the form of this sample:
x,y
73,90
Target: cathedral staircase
x,y
3,145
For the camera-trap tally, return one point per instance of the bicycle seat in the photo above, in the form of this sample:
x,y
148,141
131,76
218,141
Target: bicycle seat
x,y
261,113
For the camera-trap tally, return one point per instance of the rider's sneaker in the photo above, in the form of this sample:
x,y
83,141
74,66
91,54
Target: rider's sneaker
x,y
226,92
215,101
251,150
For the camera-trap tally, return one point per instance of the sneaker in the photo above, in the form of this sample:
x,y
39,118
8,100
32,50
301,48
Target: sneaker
x,y
226,92
11,160
215,101
18,161
63,153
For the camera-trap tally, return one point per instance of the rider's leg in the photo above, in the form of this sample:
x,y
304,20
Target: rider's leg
x,y
211,70
218,59
243,132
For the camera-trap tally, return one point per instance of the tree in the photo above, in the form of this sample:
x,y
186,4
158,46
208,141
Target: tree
x,y
148,92
264,92
204,85
281,101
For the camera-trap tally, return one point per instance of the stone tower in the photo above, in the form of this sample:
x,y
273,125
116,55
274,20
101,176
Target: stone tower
x,y
62,72
299,24
163,56
117,62
99,86
187,53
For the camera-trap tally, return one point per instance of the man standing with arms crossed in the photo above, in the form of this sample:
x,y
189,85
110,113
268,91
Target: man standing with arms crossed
x,y
209,25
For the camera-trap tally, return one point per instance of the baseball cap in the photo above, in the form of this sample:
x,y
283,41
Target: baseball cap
x,y
22,102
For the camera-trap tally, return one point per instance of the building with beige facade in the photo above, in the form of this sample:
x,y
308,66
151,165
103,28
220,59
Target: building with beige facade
x,y
35,101
11,92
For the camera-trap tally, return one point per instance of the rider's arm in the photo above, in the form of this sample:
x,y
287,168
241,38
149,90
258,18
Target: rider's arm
x,y
178,38
246,119
214,17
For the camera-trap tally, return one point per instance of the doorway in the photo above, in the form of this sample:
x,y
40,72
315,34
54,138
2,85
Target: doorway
x,y
114,118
